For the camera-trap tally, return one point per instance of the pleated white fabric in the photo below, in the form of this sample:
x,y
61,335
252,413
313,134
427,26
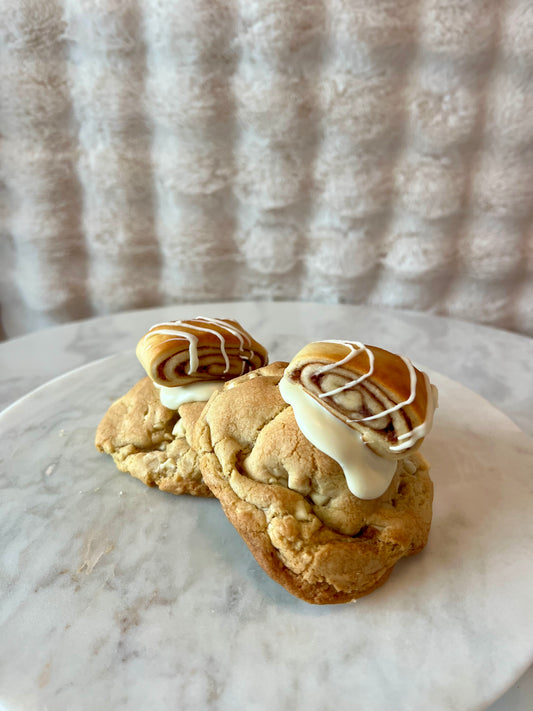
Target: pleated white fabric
x,y
163,151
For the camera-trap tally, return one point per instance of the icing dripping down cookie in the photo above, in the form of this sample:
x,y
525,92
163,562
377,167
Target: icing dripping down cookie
x,y
367,475
172,398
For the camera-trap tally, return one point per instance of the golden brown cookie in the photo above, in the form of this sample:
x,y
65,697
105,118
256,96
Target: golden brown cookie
x,y
137,431
290,501
147,431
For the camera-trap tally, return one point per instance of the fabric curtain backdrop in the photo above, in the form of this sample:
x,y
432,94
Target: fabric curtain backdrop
x,y
160,151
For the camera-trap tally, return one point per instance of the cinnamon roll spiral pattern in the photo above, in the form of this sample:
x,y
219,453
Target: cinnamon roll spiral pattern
x,y
379,394
201,349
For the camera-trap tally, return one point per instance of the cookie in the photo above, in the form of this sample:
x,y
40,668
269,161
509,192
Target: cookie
x,y
147,431
138,432
290,501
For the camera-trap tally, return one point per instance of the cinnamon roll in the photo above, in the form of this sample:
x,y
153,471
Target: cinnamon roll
x,y
177,353
379,394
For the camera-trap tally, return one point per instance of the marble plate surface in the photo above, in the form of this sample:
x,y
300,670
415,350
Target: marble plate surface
x,y
117,596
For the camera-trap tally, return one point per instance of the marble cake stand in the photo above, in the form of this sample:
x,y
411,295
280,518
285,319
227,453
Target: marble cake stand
x,y
100,609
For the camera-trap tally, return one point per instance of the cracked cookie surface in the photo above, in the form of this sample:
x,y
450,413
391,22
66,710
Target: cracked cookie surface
x,y
137,431
290,501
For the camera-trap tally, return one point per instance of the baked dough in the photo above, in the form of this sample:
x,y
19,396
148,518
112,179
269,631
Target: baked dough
x,y
380,394
137,432
290,501
178,353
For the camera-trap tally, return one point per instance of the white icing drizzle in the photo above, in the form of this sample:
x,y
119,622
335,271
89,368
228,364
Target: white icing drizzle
x,y
243,365
160,329
171,328
412,394
408,439
360,348
241,335
367,474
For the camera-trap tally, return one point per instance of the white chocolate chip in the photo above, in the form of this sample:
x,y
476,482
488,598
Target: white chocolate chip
x,y
320,499
301,513
178,429
409,466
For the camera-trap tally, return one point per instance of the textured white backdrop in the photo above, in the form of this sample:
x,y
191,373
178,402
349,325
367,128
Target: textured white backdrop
x,y
159,151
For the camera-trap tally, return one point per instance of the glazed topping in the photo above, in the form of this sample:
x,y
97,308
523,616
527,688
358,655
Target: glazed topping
x,y
173,398
201,349
378,394
367,475
194,392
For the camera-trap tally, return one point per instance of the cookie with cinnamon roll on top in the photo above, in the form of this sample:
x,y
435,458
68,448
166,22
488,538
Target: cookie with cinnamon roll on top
x,y
315,464
148,430
385,401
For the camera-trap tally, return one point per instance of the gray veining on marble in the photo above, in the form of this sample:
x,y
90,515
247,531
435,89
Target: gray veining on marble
x,y
118,596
